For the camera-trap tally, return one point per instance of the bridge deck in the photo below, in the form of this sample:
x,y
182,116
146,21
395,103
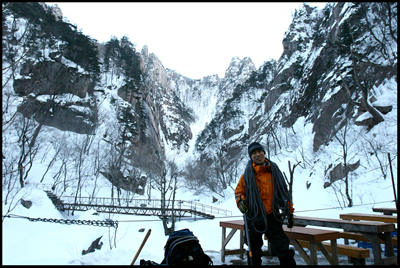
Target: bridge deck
x,y
152,207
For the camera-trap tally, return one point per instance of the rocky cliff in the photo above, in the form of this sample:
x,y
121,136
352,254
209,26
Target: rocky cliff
x,y
333,69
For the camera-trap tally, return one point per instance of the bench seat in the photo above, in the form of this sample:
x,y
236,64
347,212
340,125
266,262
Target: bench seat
x,y
360,237
356,255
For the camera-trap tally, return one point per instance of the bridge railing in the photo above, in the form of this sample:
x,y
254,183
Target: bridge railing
x,y
204,208
146,203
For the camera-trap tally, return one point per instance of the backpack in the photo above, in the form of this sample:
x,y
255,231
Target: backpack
x,y
183,248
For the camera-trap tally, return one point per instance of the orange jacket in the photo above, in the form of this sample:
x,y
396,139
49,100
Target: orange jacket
x,y
265,186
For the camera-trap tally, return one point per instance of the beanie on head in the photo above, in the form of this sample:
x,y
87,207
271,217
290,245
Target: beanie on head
x,y
255,146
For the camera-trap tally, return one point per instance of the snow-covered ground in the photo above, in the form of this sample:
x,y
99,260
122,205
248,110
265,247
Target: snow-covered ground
x,y
46,243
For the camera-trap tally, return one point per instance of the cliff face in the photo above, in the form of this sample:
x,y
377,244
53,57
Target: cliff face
x,y
305,83
329,76
61,82
332,70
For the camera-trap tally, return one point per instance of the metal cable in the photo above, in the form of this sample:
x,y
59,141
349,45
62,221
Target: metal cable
x,y
99,223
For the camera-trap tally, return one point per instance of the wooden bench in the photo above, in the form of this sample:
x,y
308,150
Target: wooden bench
x,y
312,235
234,225
355,255
373,231
360,237
368,217
314,238
385,211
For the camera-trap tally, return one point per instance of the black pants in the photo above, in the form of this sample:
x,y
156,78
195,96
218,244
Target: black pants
x,y
275,234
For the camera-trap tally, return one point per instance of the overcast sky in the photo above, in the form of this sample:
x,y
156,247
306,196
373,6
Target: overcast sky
x,y
194,38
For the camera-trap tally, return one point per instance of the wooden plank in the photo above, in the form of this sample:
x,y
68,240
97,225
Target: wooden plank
x,y
390,260
301,251
239,224
385,211
352,226
324,251
228,238
310,234
360,237
358,253
368,217
234,251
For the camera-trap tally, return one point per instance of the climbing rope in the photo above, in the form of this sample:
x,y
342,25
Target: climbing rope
x,y
99,223
257,212
281,200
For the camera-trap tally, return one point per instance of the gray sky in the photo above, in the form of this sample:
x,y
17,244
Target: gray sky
x,y
194,38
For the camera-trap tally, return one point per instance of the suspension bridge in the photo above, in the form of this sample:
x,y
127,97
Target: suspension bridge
x,y
144,207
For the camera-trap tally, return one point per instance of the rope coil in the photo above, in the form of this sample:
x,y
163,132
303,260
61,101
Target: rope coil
x,y
281,199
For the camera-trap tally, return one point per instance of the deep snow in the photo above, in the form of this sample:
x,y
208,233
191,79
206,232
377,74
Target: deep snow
x,y
44,243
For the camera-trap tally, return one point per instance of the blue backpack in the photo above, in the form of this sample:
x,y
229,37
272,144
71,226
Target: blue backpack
x,y
183,248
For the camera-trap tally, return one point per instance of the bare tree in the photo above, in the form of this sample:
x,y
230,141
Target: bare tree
x,y
377,149
290,181
233,172
195,174
13,198
169,182
164,175
82,146
343,137
98,162
9,178
65,156
27,131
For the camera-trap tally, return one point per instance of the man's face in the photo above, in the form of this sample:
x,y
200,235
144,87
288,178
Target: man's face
x,y
258,157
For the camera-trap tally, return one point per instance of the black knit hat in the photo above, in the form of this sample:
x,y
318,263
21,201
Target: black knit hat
x,y
255,146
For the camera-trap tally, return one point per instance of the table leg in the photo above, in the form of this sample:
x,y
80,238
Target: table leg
x,y
301,251
225,241
241,243
313,253
387,237
331,258
376,247
223,244
335,253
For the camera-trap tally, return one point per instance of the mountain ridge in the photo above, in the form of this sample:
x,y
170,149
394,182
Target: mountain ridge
x,y
139,112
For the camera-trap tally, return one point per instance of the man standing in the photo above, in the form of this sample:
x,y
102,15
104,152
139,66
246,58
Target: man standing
x,y
262,196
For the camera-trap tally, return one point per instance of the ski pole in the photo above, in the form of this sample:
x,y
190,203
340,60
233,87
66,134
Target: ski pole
x,y
246,227
141,246
391,173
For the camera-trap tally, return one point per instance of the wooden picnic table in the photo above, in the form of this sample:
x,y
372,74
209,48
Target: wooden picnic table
x,y
314,237
296,234
385,211
368,217
373,231
234,225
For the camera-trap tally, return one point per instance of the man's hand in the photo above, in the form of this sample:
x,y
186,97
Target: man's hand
x,y
243,206
290,221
